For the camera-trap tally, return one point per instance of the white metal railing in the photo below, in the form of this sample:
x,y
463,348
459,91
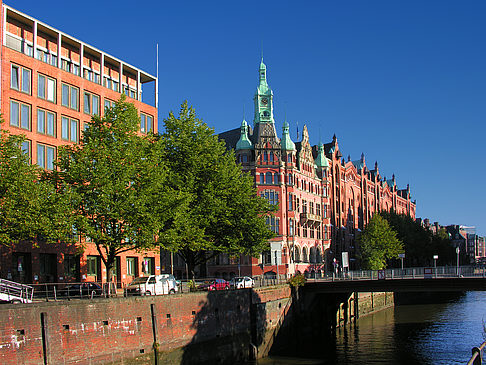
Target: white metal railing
x,y
11,291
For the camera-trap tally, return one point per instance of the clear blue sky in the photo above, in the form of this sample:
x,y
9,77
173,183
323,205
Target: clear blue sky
x,y
402,81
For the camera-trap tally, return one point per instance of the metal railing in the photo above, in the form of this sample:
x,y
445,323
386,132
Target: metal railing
x,y
477,355
11,291
407,273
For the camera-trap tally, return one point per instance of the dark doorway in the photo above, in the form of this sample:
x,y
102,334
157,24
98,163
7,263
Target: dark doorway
x,y
21,267
48,268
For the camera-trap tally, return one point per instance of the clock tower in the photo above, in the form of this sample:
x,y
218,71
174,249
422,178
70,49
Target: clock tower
x,y
263,99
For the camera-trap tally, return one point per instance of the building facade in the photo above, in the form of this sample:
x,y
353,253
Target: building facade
x,y
324,200
51,86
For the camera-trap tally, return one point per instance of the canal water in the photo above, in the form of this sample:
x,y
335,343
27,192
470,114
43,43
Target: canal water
x,y
406,334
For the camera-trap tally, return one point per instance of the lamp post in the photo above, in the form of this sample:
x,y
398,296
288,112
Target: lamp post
x,y
457,266
435,264
401,256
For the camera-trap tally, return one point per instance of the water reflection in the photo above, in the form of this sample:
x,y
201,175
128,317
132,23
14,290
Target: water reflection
x,y
405,335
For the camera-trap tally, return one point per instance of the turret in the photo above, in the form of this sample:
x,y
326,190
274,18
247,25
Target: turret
x,y
244,143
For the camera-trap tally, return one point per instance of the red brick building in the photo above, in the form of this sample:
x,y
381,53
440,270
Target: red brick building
x,y
324,201
51,85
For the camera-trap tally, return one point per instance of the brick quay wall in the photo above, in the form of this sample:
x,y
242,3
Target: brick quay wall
x,y
212,328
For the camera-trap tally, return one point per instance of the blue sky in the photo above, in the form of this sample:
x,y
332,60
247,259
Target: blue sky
x,y
402,81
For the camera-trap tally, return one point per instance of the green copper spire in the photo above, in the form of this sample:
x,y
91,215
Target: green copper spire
x,y
244,143
287,144
321,160
263,98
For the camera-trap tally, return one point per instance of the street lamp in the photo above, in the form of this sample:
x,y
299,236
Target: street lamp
x,y
435,264
457,267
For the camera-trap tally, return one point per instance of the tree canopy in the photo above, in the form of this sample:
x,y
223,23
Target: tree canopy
x,y
117,181
419,243
378,243
221,211
30,208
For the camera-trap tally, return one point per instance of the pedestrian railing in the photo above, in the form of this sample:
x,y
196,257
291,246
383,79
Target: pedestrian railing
x,y
477,355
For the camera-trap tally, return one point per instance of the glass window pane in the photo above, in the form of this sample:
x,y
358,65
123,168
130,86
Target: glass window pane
x,y
25,117
14,78
142,123
14,113
149,123
74,98
41,116
87,106
50,158
41,156
26,80
26,147
50,124
41,87
65,128
51,90
96,104
65,95
74,130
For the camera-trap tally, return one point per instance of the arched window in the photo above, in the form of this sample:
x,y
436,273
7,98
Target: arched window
x,y
271,156
297,254
262,179
268,178
275,178
244,158
319,255
304,254
265,156
289,157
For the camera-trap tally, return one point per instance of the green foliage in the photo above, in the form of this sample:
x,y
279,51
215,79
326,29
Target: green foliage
x,y
117,182
220,210
419,243
30,207
378,243
297,280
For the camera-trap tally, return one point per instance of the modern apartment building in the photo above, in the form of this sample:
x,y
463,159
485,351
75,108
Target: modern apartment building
x,y
51,86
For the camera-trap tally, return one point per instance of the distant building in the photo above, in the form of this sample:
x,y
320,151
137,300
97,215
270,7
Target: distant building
x,y
324,201
51,85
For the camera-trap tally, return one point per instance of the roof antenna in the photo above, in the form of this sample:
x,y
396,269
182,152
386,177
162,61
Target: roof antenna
x,y
243,111
262,50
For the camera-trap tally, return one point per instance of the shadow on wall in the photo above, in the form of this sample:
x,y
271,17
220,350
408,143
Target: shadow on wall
x,y
228,328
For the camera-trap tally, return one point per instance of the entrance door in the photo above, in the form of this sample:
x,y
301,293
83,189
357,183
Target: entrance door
x,y
48,268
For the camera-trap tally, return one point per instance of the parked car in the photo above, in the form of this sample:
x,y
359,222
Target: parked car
x,y
215,284
153,285
242,282
81,290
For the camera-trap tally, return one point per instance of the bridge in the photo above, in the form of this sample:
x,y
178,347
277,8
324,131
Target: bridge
x,y
424,279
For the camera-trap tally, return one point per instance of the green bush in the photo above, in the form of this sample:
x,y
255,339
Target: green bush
x,y
297,280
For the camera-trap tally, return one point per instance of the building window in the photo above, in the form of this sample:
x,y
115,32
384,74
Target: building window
x,y
291,205
262,179
291,227
45,156
25,147
244,158
289,158
70,96
132,266
146,123
69,129
276,179
109,104
46,122
273,224
92,265
271,196
20,79
148,266
268,178
46,88
20,115
91,103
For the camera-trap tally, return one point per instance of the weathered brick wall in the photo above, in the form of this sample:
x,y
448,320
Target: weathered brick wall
x,y
109,330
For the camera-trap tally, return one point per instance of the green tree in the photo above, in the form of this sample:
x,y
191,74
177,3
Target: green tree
x,y
221,212
117,182
378,243
420,243
30,209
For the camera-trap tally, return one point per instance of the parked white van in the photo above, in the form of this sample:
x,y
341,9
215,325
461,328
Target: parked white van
x,y
152,285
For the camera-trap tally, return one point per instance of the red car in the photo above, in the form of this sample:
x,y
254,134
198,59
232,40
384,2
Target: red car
x,y
216,284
